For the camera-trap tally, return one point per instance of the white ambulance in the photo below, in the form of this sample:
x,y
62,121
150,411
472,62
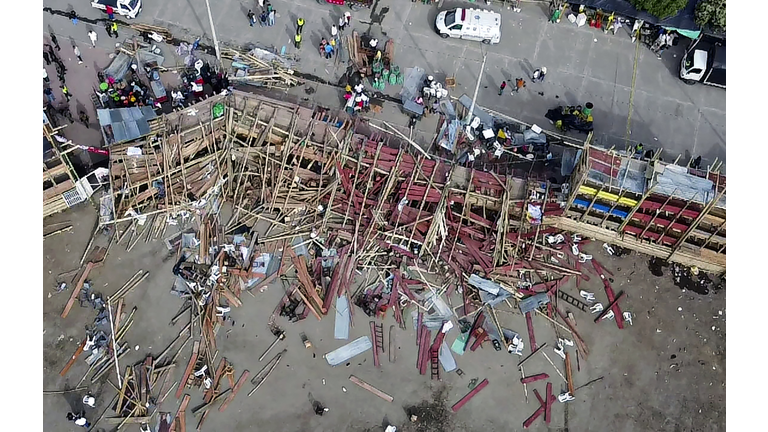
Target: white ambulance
x,y
471,24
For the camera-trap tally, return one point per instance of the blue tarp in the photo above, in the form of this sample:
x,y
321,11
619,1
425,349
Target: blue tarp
x,y
683,20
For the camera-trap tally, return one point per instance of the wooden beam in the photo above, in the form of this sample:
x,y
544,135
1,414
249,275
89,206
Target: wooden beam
x,y
76,290
74,357
371,388
235,389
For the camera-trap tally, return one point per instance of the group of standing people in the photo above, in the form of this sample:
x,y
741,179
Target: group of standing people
x,y
665,40
50,56
267,16
328,47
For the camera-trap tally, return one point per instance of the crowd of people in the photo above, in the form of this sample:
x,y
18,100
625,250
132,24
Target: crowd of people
x,y
60,111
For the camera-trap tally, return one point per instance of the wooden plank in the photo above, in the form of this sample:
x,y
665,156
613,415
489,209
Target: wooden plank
x,y
74,357
188,370
371,388
131,420
181,412
569,373
76,290
235,389
548,406
534,378
457,406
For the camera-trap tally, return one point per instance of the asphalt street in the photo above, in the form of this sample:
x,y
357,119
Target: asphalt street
x,y
584,64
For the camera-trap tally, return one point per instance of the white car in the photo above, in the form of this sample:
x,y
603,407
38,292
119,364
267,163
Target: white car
x,y
126,8
471,24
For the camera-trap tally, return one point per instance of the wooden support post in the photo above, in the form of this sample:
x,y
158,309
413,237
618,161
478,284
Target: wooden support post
x,y
696,223
634,210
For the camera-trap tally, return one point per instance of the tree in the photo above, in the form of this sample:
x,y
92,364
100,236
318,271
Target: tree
x,y
660,8
711,13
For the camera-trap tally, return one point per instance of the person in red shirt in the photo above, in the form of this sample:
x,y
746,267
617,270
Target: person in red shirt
x,y
110,12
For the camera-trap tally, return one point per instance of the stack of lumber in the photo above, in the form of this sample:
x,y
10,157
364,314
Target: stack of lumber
x,y
268,74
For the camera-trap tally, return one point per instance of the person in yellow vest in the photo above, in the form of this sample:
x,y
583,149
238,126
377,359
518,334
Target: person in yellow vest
x,y
114,29
297,41
299,25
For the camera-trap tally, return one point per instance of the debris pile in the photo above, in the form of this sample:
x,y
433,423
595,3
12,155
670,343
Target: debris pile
x,y
323,204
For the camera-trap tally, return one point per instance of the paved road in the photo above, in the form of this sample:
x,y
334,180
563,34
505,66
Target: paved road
x,y
583,64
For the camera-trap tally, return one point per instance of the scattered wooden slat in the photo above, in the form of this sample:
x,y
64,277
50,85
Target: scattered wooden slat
x,y
371,388
457,406
235,389
74,357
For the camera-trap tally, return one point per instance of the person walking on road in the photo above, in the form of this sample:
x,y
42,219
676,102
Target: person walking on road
x,y
93,37
519,83
334,31
108,28
502,87
110,12
45,77
328,51
297,41
342,23
539,74
251,18
271,16
263,18
65,92
347,18
73,16
299,25
77,54
55,42
47,58
114,29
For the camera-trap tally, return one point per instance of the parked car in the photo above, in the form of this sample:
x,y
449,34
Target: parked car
x,y
704,62
470,24
126,8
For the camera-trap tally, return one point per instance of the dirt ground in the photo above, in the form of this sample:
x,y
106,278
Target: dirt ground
x,y
666,372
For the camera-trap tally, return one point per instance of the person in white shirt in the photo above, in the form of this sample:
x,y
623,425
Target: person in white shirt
x,y
77,54
78,420
93,36
89,400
